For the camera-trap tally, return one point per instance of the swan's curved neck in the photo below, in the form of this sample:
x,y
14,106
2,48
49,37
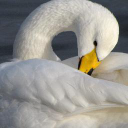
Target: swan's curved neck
x,y
36,33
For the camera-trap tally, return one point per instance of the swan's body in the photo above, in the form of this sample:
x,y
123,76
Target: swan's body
x,y
47,94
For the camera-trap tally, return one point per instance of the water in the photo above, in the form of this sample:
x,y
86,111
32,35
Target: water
x,y
13,13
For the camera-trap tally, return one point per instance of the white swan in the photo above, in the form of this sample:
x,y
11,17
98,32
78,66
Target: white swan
x,y
46,94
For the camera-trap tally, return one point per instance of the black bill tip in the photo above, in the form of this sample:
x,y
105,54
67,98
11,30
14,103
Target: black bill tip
x,y
90,72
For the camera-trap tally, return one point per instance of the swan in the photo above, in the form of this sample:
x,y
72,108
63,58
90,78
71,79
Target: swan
x,y
42,93
96,29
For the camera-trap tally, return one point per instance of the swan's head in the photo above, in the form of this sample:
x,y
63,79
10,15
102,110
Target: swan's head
x,y
100,37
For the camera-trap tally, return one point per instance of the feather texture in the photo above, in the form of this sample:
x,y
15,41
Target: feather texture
x,y
41,93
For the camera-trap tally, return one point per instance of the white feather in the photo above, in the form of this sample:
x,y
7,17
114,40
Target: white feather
x,y
41,93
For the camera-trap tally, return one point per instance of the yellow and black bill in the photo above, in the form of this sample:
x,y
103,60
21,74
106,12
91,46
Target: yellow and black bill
x,y
89,62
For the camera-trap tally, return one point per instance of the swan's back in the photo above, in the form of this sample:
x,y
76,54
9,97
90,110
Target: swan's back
x,y
41,93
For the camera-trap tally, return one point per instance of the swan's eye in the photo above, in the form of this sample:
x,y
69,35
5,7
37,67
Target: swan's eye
x,y
95,43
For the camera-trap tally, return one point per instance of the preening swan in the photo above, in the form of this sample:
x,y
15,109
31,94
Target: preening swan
x,y
39,93
95,27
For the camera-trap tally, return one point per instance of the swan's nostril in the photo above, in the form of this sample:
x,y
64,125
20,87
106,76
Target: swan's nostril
x,y
90,72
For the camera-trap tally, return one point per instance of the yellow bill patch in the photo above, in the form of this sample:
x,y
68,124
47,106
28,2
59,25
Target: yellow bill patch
x,y
89,62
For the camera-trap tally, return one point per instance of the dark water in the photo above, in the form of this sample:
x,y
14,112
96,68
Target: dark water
x,y
13,13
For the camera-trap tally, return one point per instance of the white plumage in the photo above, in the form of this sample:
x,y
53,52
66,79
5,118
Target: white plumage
x,y
46,94
41,93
